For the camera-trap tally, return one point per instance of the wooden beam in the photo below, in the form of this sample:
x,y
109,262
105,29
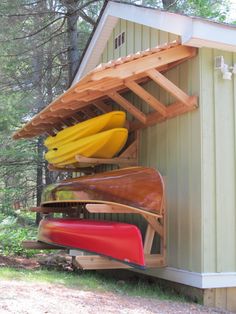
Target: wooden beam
x,y
89,262
157,227
48,210
108,209
173,110
171,87
146,96
111,208
88,112
106,161
36,245
148,240
128,106
139,65
102,106
76,168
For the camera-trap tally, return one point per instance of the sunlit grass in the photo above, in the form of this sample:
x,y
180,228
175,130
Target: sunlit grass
x,y
89,281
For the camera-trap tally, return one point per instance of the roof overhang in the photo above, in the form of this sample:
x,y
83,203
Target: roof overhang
x,y
195,32
109,82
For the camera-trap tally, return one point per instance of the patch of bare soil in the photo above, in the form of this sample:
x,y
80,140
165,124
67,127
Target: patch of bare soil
x,y
19,297
18,262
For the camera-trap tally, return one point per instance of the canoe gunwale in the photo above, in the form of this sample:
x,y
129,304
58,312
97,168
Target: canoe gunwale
x,y
134,209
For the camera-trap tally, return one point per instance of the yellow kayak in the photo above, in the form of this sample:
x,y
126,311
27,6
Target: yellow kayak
x,y
107,121
102,145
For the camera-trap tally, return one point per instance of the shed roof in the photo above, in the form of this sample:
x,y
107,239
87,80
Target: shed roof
x,y
109,81
193,31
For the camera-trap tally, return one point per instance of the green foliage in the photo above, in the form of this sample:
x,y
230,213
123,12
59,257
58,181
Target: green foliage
x,y
14,230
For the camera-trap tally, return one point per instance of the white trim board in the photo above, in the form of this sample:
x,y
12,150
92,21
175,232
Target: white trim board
x,y
194,279
193,31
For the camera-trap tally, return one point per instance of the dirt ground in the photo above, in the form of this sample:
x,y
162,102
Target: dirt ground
x,y
41,298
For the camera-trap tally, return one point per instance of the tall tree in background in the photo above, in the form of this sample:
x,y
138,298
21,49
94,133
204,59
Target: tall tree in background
x,y
39,55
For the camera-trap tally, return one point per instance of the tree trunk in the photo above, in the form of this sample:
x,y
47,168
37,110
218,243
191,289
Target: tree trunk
x,y
72,33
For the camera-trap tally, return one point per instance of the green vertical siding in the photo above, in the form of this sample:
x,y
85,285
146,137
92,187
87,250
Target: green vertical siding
x,y
137,37
218,125
172,147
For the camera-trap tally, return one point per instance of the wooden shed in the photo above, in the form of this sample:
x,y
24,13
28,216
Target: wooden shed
x,y
175,76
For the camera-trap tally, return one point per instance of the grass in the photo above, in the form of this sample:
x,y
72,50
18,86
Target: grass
x,y
16,228
90,281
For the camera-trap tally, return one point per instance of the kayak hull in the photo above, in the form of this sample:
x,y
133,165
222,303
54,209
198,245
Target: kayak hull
x,y
138,187
102,145
114,119
120,241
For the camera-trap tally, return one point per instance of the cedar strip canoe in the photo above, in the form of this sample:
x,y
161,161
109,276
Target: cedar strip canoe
x,y
137,187
120,241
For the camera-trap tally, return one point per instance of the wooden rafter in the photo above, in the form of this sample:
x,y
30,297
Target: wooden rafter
x,y
128,106
112,80
171,87
147,97
102,106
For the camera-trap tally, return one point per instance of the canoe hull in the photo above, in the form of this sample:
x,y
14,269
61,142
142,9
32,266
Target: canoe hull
x,y
120,241
138,187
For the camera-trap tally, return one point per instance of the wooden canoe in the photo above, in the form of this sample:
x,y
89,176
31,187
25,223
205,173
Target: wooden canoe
x,y
120,241
104,122
102,145
135,187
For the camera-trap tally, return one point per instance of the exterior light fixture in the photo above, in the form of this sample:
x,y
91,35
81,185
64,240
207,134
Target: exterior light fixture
x,y
224,68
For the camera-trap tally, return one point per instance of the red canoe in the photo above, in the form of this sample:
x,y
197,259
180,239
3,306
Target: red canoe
x,y
120,241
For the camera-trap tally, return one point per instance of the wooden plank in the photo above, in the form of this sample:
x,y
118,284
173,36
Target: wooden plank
x,y
89,262
147,97
128,106
154,224
108,209
148,241
48,210
109,161
36,245
231,300
139,65
102,106
161,80
72,168
104,207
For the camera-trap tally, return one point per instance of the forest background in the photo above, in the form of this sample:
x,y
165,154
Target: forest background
x,y
41,43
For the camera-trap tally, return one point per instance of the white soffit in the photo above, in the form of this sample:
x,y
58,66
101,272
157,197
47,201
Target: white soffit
x,y
194,32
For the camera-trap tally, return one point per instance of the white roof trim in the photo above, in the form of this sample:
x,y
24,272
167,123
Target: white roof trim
x,y
194,32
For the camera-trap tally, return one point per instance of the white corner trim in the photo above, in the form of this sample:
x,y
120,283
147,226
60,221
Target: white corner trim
x,y
194,279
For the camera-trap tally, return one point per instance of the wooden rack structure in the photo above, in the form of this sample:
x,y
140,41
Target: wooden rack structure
x,y
108,84
104,88
129,157
156,224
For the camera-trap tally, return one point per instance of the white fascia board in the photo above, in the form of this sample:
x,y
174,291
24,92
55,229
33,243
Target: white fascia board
x,y
194,32
194,279
96,46
165,21
211,35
